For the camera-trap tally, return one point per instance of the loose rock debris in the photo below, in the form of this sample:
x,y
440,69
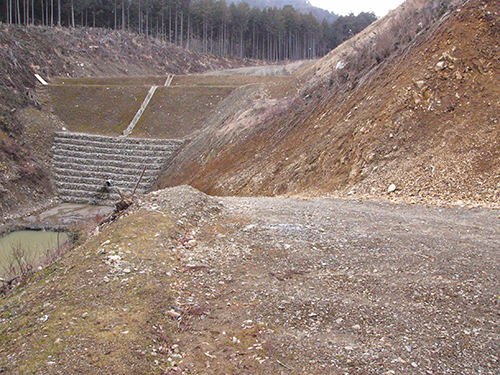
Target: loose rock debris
x,y
274,285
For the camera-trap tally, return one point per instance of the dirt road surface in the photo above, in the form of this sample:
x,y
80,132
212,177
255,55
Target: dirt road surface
x,y
337,286
185,283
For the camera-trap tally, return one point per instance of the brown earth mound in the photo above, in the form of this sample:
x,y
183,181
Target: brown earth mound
x,y
423,119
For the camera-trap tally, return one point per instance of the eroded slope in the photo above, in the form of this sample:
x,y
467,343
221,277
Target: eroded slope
x,y
422,117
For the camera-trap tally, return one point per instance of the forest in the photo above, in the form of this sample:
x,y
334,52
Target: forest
x,y
208,26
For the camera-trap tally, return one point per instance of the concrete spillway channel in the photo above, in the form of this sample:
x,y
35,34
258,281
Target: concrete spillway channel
x,y
141,110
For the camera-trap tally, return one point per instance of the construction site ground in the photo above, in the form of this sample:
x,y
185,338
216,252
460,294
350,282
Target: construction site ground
x,y
191,284
400,277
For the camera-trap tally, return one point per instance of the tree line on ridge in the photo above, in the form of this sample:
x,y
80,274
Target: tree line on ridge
x,y
208,26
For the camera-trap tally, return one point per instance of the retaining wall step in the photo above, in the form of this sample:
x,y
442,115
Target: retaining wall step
x,y
142,187
98,180
71,176
82,163
98,156
130,169
118,149
70,160
113,140
70,142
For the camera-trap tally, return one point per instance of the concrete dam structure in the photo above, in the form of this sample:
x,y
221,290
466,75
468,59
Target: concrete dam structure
x,y
90,168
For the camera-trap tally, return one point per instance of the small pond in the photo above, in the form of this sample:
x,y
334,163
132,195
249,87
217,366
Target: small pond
x,y
33,246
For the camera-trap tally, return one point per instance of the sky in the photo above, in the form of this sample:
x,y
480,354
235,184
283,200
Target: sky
x,y
344,7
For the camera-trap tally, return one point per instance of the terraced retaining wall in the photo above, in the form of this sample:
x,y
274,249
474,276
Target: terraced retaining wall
x,y
90,168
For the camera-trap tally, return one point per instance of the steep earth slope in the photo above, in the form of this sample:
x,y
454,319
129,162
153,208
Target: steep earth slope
x,y
412,101
26,128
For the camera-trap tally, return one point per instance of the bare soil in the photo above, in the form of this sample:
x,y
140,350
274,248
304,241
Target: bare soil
x,y
191,284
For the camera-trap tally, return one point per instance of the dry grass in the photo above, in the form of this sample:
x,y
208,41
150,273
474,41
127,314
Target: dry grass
x,y
178,111
123,327
103,110
107,105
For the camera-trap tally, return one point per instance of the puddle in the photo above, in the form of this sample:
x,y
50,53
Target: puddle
x,y
30,245
45,231
68,214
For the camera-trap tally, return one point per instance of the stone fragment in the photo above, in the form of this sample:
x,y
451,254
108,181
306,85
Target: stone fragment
x,y
419,84
440,65
174,314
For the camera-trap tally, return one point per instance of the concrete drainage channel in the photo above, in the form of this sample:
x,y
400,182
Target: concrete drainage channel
x,y
88,168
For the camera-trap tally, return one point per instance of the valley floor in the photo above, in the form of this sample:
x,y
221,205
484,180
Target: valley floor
x,y
187,283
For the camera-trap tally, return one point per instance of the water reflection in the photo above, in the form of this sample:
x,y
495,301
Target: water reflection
x,y
30,245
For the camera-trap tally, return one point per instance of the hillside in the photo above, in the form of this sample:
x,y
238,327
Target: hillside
x,y
26,120
303,6
413,106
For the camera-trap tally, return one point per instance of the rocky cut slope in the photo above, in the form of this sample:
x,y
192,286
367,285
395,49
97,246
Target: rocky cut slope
x,y
411,103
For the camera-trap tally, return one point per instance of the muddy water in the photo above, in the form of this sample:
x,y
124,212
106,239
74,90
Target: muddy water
x,y
68,214
35,243
32,245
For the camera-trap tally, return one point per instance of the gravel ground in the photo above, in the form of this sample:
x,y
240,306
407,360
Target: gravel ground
x,y
186,283
335,286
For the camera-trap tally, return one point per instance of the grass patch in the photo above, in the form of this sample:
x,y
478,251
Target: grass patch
x,y
105,110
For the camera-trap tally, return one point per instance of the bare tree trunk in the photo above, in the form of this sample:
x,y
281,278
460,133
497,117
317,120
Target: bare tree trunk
x,y
189,24
170,25
162,23
176,31
25,11
182,28
123,15
140,18
43,12
7,11
72,14
18,12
